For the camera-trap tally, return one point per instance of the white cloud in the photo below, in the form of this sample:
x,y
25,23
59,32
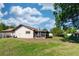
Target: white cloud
x,y
1,14
18,10
1,5
11,22
31,11
35,23
26,16
5,13
36,20
29,21
47,6
50,24
41,20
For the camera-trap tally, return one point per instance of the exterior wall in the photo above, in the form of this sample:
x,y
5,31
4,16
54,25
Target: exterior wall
x,y
7,34
21,33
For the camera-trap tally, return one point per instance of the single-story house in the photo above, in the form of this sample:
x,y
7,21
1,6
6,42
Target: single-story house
x,y
23,31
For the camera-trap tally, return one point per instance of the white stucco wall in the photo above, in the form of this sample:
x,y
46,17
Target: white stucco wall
x,y
21,33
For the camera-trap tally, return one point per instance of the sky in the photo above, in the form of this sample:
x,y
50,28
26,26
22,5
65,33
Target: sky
x,y
38,15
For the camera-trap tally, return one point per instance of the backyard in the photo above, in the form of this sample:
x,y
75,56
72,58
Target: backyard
x,y
38,47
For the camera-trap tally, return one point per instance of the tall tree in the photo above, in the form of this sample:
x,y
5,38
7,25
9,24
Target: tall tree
x,y
3,27
66,11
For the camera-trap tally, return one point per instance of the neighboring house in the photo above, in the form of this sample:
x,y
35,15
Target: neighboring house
x,y
24,32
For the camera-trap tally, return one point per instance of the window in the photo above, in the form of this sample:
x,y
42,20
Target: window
x,y
27,32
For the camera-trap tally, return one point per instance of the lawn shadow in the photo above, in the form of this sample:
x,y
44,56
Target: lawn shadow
x,y
70,39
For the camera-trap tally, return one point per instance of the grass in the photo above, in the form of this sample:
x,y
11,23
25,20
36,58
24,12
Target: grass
x,y
37,47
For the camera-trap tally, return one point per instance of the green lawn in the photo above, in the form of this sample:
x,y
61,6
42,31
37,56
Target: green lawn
x,y
37,47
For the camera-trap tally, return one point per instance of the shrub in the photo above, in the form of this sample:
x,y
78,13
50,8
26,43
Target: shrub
x,y
71,30
74,37
57,31
68,33
67,36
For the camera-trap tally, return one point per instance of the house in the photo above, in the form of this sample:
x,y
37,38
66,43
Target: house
x,y
22,31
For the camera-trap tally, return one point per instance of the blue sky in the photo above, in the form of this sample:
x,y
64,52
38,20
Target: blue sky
x,y
38,15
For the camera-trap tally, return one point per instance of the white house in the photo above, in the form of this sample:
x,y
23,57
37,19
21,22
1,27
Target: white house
x,y
24,32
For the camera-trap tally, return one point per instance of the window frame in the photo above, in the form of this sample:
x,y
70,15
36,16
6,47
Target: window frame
x,y
27,32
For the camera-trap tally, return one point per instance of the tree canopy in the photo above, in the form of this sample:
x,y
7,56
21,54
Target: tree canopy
x,y
56,31
67,12
4,27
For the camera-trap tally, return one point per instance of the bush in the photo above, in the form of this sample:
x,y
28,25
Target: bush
x,y
57,31
71,38
68,32
74,38
71,30
67,36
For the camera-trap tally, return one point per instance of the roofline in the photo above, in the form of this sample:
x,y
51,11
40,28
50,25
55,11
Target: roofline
x,y
31,28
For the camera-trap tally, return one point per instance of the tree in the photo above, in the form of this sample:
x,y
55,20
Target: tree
x,y
45,29
56,31
4,27
71,30
66,11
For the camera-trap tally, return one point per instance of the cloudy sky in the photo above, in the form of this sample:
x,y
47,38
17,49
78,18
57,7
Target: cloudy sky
x,y
32,14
